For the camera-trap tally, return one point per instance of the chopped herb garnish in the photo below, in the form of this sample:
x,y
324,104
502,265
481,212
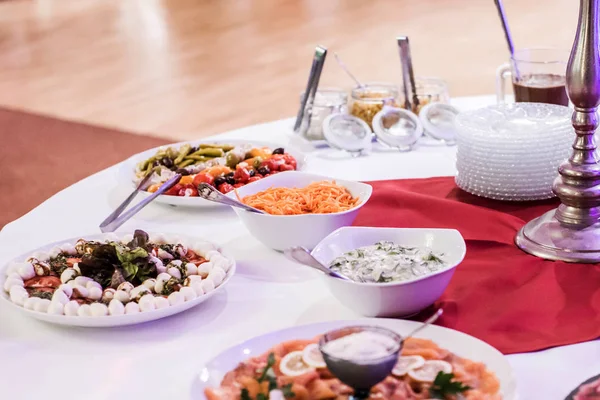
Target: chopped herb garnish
x,y
245,395
443,386
287,391
267,375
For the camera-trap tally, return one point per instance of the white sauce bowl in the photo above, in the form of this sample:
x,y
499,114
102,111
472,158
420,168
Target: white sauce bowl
x,y
398,298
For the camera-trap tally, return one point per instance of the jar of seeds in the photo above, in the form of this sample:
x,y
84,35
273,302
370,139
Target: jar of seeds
x,y
327,101
366,101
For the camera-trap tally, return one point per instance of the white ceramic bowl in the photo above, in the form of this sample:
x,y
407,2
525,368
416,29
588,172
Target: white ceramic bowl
x,y
126,172
280,232
391,299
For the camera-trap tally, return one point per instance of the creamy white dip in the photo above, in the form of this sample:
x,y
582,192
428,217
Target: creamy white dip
x,y
386,262
361,346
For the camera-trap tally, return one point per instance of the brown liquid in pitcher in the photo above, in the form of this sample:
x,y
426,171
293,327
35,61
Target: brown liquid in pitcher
x,y
541,88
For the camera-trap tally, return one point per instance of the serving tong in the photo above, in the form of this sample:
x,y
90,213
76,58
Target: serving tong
x,y
115,219
210,193
304,112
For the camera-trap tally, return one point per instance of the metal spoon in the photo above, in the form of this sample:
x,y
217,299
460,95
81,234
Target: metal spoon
x,y
208,192
303,256
347,71
426,323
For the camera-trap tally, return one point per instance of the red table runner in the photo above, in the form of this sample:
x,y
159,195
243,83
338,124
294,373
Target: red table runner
x,y
512,300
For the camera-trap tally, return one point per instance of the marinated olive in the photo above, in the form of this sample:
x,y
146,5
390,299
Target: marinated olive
x,y
257,162
251,172
229,175
264,171
230,180
182,171
231,160
278,150
167,162
219,180
155,163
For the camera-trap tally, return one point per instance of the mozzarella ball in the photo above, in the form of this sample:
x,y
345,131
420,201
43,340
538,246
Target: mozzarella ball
x,y
68,275
217,275
84,310
161,302
165,255
79,292
94,293
176,263
163,277
71,308
42,305
176,298
222,263
190,280
197,286
126,287
11,282
149,283
98,309
213,254
55,251
66,289
31,302
18,295
174,272
41,269
181,250
109,294
76,268
188,293
40,255
68,248
191,269
205,268
14,275
115,307
83,280
208,285
56,308
122,296
26,271
161,269
146,303
60,297
92,284
132,308
12,268
138,291
159,286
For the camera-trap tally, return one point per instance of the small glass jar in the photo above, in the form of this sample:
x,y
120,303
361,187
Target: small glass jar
x,y
327,101
430,90
369,99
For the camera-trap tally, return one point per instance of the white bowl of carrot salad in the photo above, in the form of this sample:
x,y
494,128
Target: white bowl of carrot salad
x,y
301,208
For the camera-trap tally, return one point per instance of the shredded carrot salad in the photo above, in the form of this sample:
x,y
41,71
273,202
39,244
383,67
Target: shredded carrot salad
x,y
322,197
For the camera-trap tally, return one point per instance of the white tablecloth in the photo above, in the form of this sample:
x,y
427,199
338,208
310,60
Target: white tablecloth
x,y
161,359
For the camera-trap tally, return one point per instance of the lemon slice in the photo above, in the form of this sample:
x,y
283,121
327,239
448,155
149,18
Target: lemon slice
x,y
407,363
292,364
311,355
429,370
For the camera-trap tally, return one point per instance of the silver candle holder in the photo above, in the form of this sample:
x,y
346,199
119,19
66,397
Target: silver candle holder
x,y
572,231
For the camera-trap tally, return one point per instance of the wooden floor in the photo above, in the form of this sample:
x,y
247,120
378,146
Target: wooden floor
x,y
190,68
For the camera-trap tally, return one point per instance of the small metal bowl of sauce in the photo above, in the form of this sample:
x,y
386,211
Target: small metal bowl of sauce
x,y
361,356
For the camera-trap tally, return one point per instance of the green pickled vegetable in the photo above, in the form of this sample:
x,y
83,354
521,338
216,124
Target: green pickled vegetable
x,y
185,163
183,151
224,147
231,160
210,152
197,158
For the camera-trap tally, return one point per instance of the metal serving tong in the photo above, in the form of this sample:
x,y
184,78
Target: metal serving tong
x,y
304,113
210,193
115,220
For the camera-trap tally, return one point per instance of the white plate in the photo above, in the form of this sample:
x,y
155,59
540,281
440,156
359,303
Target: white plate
x,y
457,342
110,320
126,172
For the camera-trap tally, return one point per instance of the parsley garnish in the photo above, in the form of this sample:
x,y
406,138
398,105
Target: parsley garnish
x,y
444,386
267,375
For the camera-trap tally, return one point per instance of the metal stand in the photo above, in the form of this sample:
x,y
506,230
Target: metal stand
x,y
572,231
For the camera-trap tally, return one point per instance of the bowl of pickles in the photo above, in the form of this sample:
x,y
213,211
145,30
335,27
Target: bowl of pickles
x,y
226,165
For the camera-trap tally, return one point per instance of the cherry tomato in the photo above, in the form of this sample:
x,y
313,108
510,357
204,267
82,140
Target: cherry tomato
x,y
225,188
255,178
286,167
290,160
174,191
241,174
271,164
203,178
239,184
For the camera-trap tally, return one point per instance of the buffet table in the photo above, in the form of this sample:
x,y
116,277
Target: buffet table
x,y
162,359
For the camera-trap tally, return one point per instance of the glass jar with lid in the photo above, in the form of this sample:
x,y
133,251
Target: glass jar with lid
x,y
429,90
366,101
327,101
